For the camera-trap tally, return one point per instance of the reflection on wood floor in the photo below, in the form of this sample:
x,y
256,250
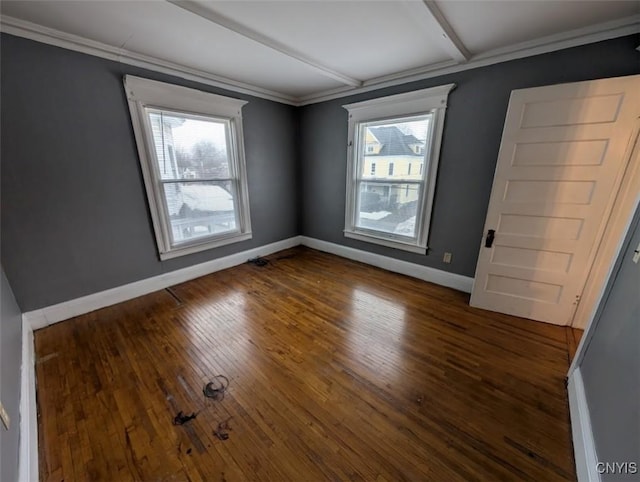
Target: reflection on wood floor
x,y
337,370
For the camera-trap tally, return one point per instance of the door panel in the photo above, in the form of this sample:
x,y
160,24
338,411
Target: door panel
x,y
559,167
559,153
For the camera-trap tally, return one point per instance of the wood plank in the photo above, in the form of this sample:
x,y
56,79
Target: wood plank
x,y
573,340
338,371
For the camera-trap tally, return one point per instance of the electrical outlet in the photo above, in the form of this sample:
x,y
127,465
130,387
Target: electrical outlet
x,y
446,258
5,417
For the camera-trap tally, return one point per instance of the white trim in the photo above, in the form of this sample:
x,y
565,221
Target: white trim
x,y
212,16
143,93
431,101
33,31
432,275
197,247
388,242
413,102
595,312
444,32
28,455
583,444
68,309
552,43
171,96
613,232
49,315
595,33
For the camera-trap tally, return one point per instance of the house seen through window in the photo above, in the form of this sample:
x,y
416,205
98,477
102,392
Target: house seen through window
x,y
393,158
195,173
389,204
191,153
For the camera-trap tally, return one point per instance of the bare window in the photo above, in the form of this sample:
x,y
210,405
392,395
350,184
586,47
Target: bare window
x,y
394,209
191,152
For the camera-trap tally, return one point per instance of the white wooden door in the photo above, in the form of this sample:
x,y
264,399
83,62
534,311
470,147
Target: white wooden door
x,y
562,157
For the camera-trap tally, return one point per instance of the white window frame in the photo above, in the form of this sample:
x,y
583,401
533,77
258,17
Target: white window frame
x,y
145,94
421,102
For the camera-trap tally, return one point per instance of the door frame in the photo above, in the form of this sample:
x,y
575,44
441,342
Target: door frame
x,y
603,293
611,227
612,233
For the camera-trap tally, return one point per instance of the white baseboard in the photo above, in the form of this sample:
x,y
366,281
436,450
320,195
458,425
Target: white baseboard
x,y
43,317
33,320
63,311
444,278
583,445
28,451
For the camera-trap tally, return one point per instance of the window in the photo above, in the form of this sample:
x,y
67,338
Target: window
x,y
373,168
395,212
192,156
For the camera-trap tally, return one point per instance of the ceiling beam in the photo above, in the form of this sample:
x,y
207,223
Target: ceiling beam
x,y
65,40
230,24
448,37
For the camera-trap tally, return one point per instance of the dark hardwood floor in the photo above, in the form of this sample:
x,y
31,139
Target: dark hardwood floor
x,y
338,371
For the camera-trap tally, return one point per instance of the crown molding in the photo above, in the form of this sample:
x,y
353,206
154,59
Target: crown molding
x,y
32,31
552,43
573,38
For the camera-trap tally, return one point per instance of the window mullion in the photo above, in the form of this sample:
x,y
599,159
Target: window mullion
x,y
199,180
396,137
379,180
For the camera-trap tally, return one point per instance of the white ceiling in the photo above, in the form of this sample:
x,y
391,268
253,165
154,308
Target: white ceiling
x,y
306,50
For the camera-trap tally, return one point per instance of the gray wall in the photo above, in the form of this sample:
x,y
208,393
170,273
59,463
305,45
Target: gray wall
x,y
611,365
75,219
10,361
472,133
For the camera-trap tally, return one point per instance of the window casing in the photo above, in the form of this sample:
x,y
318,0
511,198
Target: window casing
x,y
191,152
394,210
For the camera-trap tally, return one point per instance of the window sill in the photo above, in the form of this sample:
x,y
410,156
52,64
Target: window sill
x,y
195,248
389,243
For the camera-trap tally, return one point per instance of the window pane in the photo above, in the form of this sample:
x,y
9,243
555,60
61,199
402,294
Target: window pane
x,y
396,148
390,208
199,209
188,148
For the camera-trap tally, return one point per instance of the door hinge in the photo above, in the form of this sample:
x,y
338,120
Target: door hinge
x,y
636,254
577,300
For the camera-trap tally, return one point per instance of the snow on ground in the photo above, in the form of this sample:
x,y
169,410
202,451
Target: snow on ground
x,y
375,216
407,228
202,197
